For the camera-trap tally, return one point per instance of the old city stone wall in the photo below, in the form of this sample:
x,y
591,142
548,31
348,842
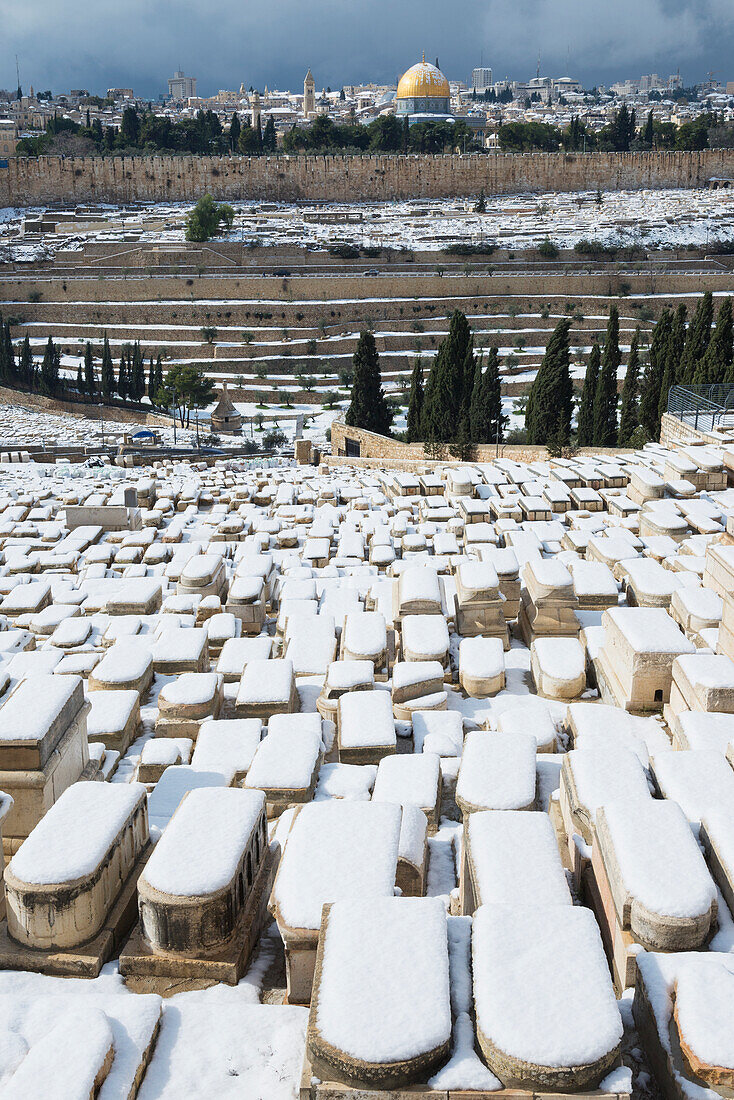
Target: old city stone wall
x,y
28,181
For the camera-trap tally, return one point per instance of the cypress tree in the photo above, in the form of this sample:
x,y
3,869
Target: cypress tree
x,y
697,338
7,353
629,416
368,408
605,400
585,430
79,379
234,132
451,379
136,384
478,427
487,422
26,368
648,135
677,340
653,378
49,368
415,403
122,377
3,355
158,373
58,382
270,138
89,382
550,402
108,372
151,379
672,357
718,358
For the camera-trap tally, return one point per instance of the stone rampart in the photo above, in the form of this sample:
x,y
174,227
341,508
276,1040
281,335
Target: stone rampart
x,y
32,181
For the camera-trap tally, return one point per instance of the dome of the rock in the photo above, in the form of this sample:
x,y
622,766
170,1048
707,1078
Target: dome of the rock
x,y
423,91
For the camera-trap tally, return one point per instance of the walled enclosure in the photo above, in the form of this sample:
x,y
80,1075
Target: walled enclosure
x,y
28,181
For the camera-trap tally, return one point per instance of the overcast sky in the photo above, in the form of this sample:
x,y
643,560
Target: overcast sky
x,y
104,43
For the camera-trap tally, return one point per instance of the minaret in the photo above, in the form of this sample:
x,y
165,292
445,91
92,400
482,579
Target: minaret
x,y
255,108
309,95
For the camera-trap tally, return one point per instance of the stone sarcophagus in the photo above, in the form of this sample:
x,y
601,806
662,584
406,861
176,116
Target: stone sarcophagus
x,y
203,895
65,888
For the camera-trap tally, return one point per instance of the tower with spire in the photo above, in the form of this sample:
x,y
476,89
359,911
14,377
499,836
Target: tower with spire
x,y
309,95
255,109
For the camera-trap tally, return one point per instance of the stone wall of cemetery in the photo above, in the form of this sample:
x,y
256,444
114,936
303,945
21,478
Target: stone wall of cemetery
x,y
28,181
676,433
376,450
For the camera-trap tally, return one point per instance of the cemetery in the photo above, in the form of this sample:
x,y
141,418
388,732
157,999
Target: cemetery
x,y
345,782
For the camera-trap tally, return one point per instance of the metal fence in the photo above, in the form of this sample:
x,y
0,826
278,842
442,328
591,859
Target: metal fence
x,y
703,407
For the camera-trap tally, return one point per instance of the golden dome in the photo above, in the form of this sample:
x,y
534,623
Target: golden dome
x,y
423,81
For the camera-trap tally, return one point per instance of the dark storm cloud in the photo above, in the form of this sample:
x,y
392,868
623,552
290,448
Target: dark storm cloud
x,y
226,42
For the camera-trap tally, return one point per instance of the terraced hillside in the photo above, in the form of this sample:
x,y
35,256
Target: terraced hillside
x,y
271,332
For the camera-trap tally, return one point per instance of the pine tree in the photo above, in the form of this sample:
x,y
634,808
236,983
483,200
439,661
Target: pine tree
x,y
585,430
629,416
718,358
451,379
605,399
89,383
697,338
653,379
368,408
550,401
415,403
108,372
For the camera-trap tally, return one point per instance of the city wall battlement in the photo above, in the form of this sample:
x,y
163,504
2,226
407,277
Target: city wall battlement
x,y
31,181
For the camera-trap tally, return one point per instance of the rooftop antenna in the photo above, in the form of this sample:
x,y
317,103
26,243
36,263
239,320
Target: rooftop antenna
x,y
17,72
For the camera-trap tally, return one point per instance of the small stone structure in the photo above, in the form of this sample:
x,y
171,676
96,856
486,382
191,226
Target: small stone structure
x,y
225,418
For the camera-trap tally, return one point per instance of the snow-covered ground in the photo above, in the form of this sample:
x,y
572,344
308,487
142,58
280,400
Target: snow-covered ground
x,y
648,218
